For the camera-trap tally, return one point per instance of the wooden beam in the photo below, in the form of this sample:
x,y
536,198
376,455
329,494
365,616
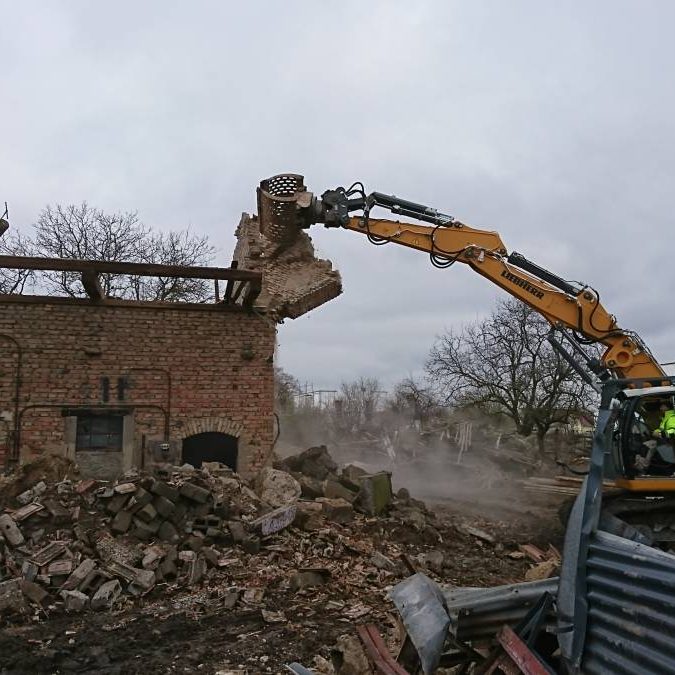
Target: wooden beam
x,y
140,269
251,294
92,285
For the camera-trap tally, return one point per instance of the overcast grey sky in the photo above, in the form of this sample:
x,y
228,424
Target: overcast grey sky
x,y
552,123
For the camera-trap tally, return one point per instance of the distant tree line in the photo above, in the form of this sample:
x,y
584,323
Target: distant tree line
x,y
502,365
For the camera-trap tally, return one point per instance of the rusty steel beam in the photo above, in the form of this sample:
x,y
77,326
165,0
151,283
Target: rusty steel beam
x,y
140,269
377,651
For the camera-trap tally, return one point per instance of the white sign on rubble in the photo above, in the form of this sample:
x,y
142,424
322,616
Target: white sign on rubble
x,y
275,520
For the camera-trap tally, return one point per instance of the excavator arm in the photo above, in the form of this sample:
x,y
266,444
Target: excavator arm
x,y
566,305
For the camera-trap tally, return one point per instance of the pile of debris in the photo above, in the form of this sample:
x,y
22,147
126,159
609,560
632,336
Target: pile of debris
x,y
92,544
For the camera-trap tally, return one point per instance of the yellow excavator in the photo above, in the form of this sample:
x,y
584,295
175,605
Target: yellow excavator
x,y
633,385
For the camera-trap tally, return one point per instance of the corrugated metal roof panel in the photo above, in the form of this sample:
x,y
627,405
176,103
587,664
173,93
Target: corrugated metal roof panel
x,y
631,608
478,613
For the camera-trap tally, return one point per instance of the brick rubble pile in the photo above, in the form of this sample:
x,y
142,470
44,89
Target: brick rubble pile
x,y
79,545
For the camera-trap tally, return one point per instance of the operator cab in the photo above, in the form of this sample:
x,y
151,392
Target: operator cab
x,y
638,451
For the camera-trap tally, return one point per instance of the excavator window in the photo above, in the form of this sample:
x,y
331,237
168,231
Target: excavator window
x,y
644,454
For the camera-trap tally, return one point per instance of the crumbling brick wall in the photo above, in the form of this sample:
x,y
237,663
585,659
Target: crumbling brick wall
x,y
215,365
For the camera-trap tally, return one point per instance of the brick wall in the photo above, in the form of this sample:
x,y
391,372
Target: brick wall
x,y
219,363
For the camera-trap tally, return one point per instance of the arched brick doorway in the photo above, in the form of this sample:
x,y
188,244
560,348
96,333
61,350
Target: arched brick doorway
x,y
211,446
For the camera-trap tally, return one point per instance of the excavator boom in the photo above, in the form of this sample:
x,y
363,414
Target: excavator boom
x,y
285,203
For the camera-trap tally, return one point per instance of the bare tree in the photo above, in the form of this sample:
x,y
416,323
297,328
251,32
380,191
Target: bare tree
x,y
286,389
357,402
413,398
505,365
88,233
15,281
174,248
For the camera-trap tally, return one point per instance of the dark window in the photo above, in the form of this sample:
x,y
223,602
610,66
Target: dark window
x,y
99,432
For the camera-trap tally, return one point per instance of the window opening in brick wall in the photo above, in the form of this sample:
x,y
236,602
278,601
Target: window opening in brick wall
x,y
99,432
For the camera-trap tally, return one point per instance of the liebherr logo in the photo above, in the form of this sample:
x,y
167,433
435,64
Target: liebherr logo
x,y
523,284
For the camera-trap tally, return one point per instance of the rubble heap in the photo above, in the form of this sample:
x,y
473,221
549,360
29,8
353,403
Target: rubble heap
x,y
87,543
297,557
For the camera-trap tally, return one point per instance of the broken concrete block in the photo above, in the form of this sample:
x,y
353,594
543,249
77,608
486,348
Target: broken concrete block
x,y
142,531
26,512
11,597
350,655
237,530
167,532
309,516
151,557
333,489
162,489
107,595
196,570
25,497
10,531
29,570
433,560
116,504
251,544
125,488
309,578
138,500
142,583
93,581
310,488
382,562
39,488
353,473
337,510
60,568
147,514
79,574
412,516
211,556
74,601
375,494
163,506
59,513
277,488
121,522
33,592
195,543
178,514
195,493
85,486
168,568
203,523
48,553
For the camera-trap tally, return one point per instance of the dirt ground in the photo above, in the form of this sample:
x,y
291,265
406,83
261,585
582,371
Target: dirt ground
x,y
195,631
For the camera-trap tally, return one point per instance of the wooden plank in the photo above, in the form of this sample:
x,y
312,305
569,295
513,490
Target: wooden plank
x,y
252,292
92,285
112,267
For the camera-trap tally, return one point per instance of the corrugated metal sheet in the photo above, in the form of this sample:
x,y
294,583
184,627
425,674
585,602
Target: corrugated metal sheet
x,y
419,601
477,614
631,608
